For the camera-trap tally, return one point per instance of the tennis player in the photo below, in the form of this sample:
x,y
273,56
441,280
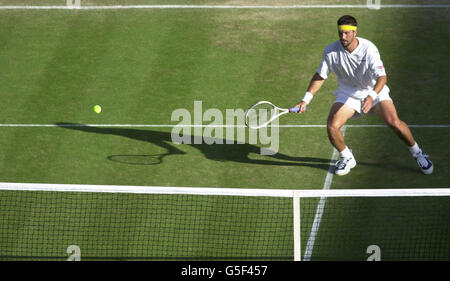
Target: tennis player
x,y
361,89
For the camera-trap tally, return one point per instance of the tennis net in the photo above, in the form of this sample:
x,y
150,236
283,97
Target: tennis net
x,y
98,222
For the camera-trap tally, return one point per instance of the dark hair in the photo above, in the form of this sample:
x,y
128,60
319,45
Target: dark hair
x,y
347,20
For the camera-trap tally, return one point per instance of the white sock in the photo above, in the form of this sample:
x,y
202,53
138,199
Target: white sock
x,y
415,149
346,153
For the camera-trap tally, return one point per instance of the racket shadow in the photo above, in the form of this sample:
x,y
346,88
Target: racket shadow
x,y
138,159
218,152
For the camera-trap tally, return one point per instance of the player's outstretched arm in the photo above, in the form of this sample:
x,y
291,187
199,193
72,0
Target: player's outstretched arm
x,y
314,86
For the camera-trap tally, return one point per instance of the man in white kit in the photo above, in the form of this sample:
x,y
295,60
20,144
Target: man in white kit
x,y
361,89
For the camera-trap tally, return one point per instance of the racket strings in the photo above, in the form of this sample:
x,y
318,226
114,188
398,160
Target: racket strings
x,y
261,114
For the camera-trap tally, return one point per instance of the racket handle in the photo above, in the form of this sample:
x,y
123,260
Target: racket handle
x,y
294,109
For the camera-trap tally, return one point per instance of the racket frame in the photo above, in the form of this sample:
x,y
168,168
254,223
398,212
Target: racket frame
x,y
281,111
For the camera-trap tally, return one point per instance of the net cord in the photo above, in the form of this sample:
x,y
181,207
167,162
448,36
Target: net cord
x,y
308,193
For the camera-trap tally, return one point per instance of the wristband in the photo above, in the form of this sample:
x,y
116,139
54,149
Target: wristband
x,y
373,94
308,97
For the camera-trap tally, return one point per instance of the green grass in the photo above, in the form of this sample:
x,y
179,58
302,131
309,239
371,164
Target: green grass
x,y
213,2
141,65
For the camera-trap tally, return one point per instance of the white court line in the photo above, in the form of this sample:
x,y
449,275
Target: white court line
x,y
321,205
207,126
115,7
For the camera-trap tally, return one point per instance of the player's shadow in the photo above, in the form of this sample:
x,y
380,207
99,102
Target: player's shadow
x,y
217,152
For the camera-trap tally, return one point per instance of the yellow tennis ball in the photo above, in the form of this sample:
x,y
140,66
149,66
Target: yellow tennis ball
x,y
97,109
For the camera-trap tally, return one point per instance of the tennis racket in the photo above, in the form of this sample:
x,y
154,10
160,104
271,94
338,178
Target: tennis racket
x,y
263,113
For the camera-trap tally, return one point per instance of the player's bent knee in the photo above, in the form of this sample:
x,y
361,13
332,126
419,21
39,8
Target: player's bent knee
x,y
333,127
394,123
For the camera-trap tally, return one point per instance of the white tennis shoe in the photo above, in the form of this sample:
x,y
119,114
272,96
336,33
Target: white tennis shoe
x,y
424,163
344,166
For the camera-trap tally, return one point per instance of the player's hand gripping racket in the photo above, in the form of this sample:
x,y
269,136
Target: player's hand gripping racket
x,y
263,113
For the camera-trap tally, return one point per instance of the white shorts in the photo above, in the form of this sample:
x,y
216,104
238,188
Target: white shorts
x,y
356,103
